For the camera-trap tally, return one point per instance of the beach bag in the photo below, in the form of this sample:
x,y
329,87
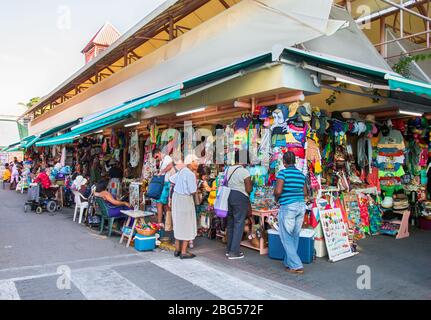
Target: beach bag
x,y
155,188
221,202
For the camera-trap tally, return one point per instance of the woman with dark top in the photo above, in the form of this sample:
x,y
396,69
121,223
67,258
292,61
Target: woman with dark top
x,y
114,206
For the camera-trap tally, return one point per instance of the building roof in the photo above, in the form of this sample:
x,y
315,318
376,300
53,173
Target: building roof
x,y
106,36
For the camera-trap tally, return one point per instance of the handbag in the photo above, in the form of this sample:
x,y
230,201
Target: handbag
x,y
155,188
221,206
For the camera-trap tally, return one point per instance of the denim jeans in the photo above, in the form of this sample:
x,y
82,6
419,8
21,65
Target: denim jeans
x,y
238,209
290,219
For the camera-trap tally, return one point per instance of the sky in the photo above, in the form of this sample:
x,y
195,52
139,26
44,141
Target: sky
x,y
41,44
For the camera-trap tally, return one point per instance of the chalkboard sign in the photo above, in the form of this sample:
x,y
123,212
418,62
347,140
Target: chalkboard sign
x,y
336,235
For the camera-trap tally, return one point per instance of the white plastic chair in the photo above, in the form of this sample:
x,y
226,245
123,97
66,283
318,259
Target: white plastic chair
x,y
79,205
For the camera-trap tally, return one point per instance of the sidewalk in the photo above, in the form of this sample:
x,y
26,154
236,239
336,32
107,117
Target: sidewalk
x,y
33,246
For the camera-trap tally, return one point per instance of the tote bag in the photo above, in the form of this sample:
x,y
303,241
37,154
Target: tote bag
x,y
221,203
155,188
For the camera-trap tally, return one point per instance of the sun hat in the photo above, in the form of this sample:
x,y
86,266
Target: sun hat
x,y
293,109
190,158
305,111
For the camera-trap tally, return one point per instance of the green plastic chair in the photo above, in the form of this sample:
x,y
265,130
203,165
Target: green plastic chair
x,y
103,209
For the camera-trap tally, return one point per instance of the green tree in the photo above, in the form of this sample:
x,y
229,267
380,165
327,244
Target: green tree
x,y
32,102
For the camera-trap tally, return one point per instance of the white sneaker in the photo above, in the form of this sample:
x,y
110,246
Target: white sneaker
x,y
235,256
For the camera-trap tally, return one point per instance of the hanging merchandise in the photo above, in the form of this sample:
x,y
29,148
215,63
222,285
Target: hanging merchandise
x,y
63,157
134,149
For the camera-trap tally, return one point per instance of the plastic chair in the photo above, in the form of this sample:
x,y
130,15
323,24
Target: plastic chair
x,y
79,205
104,215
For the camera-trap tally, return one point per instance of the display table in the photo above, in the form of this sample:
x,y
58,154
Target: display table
x,y
132,214
403,231
262,215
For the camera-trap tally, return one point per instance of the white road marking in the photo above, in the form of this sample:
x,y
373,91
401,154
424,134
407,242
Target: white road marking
x,y
106,284
8,291
218,283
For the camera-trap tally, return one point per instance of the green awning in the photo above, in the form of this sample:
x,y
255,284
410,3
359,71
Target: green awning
x,y
228,71
395,81
407,85
125,110
69,137
337,62
31,140
59,128
12,147
114,115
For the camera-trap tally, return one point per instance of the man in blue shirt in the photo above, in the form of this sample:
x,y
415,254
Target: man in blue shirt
x,y
290,193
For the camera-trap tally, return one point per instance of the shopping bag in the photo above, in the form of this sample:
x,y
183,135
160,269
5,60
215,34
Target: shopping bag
x,y
155,188
221,203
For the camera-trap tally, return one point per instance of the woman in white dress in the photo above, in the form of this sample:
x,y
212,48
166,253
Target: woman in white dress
x,y
183,207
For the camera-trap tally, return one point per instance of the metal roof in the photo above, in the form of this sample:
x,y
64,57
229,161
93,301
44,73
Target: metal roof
x,y
106,36
151,25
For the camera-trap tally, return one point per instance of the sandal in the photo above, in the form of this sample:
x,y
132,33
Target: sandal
x,y
177,254
295,271
188,255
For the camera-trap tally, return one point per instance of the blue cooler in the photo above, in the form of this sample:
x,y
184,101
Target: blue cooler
x,y
143,243
305,248
306,245
275,247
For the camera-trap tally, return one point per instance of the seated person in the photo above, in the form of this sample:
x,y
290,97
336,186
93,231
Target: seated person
x,y
7,173
43,179
47,190
114,206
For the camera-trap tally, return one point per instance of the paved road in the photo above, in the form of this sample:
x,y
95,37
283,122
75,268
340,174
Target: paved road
x,y
38,252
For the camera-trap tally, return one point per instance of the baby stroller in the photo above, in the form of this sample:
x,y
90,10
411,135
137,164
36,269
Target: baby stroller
x,y
40,200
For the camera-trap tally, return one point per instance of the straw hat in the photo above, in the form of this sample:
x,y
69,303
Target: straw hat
x,y
347,115
293,109
370,118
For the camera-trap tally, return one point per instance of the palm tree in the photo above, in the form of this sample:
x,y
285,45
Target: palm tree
x,y
32,102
